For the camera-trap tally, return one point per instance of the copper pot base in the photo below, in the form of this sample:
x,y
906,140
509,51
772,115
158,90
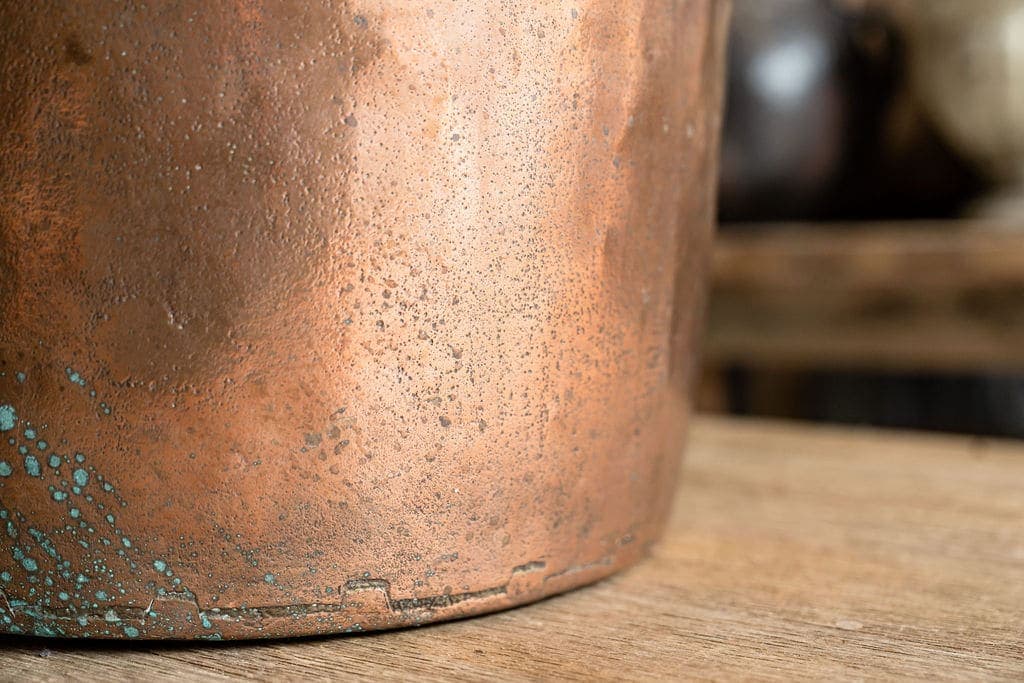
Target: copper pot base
x,y
337,316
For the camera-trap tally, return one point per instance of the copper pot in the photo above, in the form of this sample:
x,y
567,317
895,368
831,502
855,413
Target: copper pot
x,y
335,316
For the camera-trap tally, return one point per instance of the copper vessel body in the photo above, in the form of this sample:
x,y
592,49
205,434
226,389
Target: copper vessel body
x,y
336,316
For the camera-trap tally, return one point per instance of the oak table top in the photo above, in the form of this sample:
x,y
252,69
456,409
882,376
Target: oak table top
x,y
794,551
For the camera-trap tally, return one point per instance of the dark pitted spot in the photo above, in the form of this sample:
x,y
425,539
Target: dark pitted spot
x,y
77,54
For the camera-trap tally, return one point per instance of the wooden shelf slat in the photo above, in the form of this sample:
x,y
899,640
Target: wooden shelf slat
x,y
938,295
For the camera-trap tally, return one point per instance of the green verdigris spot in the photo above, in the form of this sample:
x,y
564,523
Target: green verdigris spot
x,y
32,466
74,377
5,469
7,418
81,477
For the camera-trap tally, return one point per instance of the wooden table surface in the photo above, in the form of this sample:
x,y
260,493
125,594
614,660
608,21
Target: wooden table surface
x,y
793,551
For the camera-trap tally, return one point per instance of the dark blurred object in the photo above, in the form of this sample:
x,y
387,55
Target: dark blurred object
x,y
845,118
988,405
788,108
819,124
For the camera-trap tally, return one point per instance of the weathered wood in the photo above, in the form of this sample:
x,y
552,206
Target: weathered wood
x,y
939,295
793,551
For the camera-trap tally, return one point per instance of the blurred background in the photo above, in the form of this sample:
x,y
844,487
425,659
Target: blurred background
x,y
870,261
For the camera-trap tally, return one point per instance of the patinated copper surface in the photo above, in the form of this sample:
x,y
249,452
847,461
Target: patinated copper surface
x,y
321,317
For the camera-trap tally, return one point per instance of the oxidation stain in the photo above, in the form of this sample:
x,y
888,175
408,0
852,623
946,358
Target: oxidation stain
x,y
70,581
76,52
8,417
73,574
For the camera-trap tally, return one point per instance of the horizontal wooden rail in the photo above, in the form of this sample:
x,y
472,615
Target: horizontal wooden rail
x,y
936,295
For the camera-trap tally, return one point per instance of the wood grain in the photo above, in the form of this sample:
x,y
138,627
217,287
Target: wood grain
x,y
793,552
936,295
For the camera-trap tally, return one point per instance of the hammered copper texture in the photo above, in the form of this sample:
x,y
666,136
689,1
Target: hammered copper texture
x,y
328,316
